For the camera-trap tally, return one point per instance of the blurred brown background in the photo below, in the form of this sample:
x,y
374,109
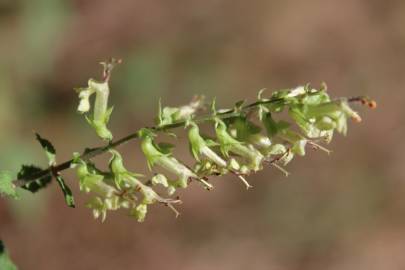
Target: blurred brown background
x,y
344,211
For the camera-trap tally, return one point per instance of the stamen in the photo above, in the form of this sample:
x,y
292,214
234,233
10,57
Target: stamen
x,y
286,173
177,213
207,185
320,147
244,181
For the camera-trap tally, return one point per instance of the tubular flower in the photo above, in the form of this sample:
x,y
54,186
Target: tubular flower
x,y
317,120
230,144
101,112
91,180
129,183
156,155
199,148
244,130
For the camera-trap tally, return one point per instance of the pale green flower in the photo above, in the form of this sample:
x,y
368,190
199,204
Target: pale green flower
x,y
156,156
230,144
170,115
199,147
101,112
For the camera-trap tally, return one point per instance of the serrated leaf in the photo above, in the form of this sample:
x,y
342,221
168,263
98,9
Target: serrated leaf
x,y
67,193
5,261
48,147
7,187
33,186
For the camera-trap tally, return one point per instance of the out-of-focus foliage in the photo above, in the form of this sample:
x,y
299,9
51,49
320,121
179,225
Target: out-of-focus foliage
x,y
5,261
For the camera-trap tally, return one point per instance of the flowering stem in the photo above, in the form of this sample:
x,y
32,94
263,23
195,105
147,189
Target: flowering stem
x,y
93,152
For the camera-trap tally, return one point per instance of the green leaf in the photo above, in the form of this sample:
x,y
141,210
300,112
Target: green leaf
x,y
165,148
101,128
244,128
48,147
210,142
5,261
7,187
316,98
270,125
66,191
108,113
33,186
273,128
230,144
277,106
325,123
239,105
